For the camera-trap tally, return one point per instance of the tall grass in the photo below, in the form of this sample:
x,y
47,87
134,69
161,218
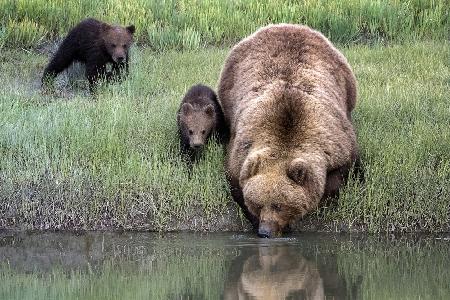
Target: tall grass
x,y
74,162
189,24
402,122
110,162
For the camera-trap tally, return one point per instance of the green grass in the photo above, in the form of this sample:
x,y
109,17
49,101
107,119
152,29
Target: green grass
x,y
74,162
190,24
402,122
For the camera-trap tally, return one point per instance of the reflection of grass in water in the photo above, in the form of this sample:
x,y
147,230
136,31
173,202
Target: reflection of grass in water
x,y
112,266
371,268
114,161
200,277
419,270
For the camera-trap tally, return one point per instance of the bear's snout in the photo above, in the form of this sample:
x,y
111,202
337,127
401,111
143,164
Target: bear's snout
x,y
196,142
268,229
263,232
196,146
118,58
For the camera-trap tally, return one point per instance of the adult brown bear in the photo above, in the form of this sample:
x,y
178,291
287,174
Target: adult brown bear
x,y
287,94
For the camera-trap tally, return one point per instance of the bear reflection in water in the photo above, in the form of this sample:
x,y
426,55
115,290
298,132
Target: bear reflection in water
x,y
283,273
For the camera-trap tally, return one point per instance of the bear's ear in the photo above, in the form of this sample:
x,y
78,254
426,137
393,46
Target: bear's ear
x,y
209,110
105,27
298,171
252,164
131,29
186,109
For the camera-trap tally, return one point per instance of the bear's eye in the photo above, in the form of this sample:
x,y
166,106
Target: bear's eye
x,y
113,45
246,145
203,132
124,45
276,207
256,207
191,132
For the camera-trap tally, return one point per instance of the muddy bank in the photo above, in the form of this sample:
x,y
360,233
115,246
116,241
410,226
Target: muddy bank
x,y
51,205
229,219
62,207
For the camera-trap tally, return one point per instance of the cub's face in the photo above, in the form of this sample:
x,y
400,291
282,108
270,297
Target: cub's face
x,y
197,124
278,189
117,41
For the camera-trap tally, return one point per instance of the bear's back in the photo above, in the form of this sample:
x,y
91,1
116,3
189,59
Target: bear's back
x,y
294,56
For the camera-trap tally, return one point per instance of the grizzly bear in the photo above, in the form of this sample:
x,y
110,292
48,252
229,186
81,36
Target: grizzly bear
x,y
199,117
287,94
95,44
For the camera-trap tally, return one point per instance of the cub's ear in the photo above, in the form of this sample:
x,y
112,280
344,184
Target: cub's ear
x,y
209,110
186,109
253,163
298,171
131,29
105,27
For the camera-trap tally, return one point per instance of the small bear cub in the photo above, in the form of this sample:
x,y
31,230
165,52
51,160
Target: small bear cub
x,y
95,44
199,117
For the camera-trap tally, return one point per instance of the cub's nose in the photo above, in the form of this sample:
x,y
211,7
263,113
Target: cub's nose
x,y
263,233
120,59
196,146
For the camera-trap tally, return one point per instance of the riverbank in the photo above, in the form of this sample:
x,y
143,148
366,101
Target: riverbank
x,y
68,161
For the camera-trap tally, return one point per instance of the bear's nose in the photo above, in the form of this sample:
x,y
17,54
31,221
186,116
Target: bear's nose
x,y
263,233
197,146
120,59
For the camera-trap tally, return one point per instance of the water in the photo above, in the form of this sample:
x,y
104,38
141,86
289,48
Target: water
x,y
222,266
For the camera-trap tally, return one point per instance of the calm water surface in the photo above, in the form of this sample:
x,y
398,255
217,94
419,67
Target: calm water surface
x,y
222,266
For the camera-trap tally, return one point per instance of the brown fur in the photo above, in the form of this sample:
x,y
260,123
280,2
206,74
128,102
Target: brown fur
x,y
95,44
199,117
287,94
275,273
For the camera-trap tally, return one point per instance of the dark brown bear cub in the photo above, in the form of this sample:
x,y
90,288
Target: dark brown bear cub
x,y
199,117
95,44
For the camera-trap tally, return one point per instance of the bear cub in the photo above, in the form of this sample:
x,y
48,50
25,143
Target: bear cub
x,y
95,44
199,117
